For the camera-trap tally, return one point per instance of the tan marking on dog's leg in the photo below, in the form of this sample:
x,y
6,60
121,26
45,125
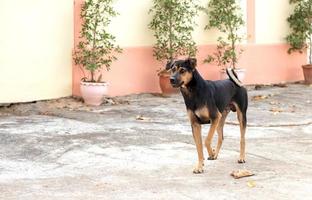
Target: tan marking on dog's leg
x,y
242,134
196,130
213,126
220,132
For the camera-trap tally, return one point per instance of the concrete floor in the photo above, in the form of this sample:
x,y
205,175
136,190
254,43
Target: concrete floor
x,y
62,149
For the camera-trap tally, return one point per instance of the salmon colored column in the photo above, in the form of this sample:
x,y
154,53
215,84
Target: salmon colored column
x,y
77,74
251,20
77,20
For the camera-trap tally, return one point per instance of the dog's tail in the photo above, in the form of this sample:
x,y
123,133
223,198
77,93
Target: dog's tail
x,y
233,77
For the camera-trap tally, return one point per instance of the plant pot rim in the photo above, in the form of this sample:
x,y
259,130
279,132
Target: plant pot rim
x,y
307,66
163,72
86,83
236,69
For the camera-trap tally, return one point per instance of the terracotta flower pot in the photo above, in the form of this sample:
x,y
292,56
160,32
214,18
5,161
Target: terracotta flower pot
x,y
239,71
307,72
164,83
93,93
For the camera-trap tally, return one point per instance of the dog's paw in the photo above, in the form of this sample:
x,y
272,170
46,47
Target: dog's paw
x,y
212,157
241,161
198,169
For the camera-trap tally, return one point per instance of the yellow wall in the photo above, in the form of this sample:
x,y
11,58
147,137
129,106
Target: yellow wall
x,y
36,40
131,25
271,24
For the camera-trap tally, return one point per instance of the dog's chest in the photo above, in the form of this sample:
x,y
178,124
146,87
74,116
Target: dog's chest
x,y
202,113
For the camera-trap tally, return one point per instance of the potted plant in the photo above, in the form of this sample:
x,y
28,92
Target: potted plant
x,y
300,37
173,23
96,48
226,16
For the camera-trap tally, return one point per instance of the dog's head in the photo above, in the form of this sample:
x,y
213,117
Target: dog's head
x,y
181,71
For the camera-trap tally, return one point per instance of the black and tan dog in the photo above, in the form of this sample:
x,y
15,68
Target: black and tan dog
x,y
209,102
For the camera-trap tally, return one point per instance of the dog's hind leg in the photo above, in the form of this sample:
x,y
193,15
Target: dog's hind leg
x,y
213,127
241,104
241,115
220,132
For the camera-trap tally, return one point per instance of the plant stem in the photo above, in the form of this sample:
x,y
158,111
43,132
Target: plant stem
x,y
170,35
94,42
92,76
310,35
232,46
310,49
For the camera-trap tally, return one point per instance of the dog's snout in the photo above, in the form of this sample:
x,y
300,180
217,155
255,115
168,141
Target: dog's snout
x,y
172,80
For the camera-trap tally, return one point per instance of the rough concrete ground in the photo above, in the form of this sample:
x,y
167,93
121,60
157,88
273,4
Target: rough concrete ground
x,y
142,148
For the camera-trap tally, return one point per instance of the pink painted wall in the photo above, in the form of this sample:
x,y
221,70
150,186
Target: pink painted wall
x,y
271,64
264,64
136,69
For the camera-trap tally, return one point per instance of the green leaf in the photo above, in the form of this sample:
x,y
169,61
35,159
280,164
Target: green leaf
x,y
226,16
300,23
97,48
173,22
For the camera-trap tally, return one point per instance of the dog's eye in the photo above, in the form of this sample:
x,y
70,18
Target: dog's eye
x,y
182,71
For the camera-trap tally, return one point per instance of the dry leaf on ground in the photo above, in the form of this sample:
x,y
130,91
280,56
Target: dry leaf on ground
x,y
251,184
241,173
261,97
276,110
274,103
141,118
283,85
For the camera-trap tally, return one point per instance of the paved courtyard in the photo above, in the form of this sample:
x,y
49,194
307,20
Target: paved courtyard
x,y
141,147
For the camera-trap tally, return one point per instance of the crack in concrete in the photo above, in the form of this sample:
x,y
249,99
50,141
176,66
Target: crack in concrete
x,y
271,125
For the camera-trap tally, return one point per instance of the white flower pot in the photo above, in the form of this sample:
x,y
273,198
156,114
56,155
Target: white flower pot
x,y
93,93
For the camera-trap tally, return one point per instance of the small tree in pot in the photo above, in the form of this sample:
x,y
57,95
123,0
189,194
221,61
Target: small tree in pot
x,y
96,49
226,16
173,23
300,38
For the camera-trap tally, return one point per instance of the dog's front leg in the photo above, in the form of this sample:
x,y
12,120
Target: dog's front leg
x,y
196,129
214,124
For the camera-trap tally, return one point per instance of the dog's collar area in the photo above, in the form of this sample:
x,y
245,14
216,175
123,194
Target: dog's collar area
x,y
181,85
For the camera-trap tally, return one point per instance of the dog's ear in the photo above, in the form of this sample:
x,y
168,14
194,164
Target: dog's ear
x,y
169,64
192,62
